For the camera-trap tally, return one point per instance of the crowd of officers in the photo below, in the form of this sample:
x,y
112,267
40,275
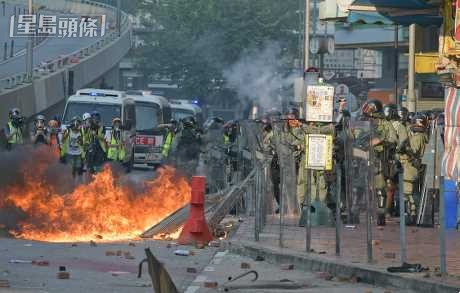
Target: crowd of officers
x,y
396,140
84,143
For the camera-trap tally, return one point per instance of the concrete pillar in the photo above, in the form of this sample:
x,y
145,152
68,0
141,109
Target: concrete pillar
x,y
411,97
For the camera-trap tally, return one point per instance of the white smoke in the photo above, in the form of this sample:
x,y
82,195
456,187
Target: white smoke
x,y
259,76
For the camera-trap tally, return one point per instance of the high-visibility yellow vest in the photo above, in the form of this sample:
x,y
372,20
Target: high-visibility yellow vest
x,y
226,139
16,137
117,152
167,144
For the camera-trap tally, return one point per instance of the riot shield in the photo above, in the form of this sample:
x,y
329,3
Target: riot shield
x,y
358,174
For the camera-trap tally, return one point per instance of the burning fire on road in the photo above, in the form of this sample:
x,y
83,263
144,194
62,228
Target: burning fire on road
x,y
101,209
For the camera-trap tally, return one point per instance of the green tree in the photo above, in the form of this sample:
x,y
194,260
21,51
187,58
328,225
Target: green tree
x,y
192,42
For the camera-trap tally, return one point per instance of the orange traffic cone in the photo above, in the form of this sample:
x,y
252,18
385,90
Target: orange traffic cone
x,y
196,229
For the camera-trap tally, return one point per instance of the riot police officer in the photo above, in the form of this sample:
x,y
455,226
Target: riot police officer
x,y
40,134
411,160
383,138
14,129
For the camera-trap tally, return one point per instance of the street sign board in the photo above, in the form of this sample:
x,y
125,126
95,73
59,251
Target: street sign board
x,y
328,75
319,151
320,103
342,90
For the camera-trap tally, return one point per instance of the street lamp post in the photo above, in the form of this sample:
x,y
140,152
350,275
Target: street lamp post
x,y
30,53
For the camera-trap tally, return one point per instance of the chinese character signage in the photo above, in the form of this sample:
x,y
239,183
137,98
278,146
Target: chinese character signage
x,y
320,103
31,25
319,152
457,21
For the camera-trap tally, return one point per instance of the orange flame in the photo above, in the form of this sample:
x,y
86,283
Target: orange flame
x,y
101,209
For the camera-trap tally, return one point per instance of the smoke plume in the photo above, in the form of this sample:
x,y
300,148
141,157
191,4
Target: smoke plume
x,y
259,75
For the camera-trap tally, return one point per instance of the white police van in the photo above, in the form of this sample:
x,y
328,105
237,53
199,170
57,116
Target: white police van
x,y
110,104
152,111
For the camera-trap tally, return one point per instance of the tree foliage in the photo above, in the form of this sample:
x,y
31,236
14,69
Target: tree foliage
x,y
192,42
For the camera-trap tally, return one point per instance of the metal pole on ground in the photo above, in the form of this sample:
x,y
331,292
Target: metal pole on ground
x,y
119,17
442,228
5,49
12,49
338,216
402,218
307,208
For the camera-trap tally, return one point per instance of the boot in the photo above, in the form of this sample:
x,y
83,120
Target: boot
x,y
381,221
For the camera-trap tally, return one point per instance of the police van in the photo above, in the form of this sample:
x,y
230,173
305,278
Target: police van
x,y
110,104
181,109
151,112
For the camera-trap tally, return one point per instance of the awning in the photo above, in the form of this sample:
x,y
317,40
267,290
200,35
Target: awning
x,y
399,4
379,18
389,12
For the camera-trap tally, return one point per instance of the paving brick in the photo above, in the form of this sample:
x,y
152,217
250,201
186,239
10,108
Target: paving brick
x,y
389,255
245,265
192,270
63,275
211,284
287,267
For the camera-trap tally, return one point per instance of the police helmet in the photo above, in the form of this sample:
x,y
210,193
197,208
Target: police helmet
x,y
14,112
403,113
410,116
390,111
293,113
96,116
371,108
189,121
86,116
76,121
419,122
40,118
116,120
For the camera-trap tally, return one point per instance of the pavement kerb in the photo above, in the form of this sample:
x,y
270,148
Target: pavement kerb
x,y
314,263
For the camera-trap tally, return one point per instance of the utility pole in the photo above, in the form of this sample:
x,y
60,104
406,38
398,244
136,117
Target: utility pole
x,y
396,64
30,53
119,17
307,38
411,98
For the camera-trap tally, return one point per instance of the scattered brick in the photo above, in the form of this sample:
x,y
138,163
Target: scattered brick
x,y
381,229
387,291
375,242
63,275
321,252
368,291
287,267
260,258
191,270
128,255
199,245
324,276
210,284
132,244
92,243
355,279
110,253
427,275
214,243
41,263
390,255
168,245
245,265
4,284
119,252
74,245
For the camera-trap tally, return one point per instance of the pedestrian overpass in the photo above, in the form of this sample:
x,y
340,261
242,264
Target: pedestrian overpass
x,y
61,65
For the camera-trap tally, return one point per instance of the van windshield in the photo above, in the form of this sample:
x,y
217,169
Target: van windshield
x,y
108,112
147,116
179,114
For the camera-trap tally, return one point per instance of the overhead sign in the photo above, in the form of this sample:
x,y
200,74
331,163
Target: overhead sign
x,y
320,103
342,90
328,75
369,64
